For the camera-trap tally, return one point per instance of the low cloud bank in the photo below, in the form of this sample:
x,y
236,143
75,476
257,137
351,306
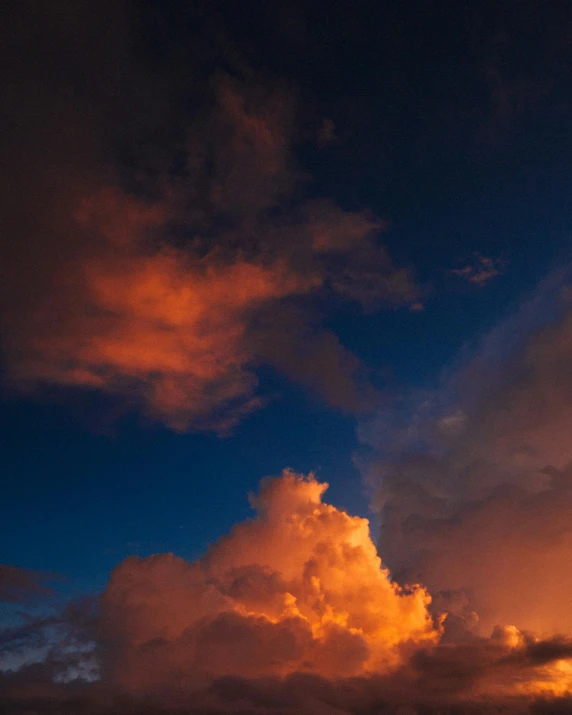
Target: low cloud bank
x,y
292,612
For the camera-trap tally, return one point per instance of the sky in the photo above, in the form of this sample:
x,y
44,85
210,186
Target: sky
x,y
267,271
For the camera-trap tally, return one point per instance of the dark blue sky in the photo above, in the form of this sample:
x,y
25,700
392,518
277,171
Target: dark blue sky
x,y
451,124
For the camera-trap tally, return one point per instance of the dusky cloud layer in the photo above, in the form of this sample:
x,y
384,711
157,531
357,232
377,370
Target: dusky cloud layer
x,y
475,489
158,245
292,612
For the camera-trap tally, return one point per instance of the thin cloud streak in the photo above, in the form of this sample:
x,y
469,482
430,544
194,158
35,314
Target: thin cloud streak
x,y
481,270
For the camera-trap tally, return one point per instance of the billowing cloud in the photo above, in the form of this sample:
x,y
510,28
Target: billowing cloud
x,y
298,588
475,494
291,612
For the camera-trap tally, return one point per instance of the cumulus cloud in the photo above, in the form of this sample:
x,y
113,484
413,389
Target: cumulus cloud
x,y
298,588
291,612
159,259
474,494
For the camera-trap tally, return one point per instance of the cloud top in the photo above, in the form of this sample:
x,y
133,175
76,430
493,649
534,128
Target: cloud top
x,y
298,588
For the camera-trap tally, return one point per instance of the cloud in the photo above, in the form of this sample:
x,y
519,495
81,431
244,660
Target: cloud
x,y
40,635
181,331
165,325
313,357
154,253
291,612
474,490
299,587
481,271
19,584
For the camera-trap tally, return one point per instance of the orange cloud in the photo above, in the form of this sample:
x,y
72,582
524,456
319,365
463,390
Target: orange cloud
x,y
164,324
292,610
299,587
170,295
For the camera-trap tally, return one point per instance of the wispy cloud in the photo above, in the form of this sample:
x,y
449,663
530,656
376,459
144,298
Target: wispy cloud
x,y
481,270
166,284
